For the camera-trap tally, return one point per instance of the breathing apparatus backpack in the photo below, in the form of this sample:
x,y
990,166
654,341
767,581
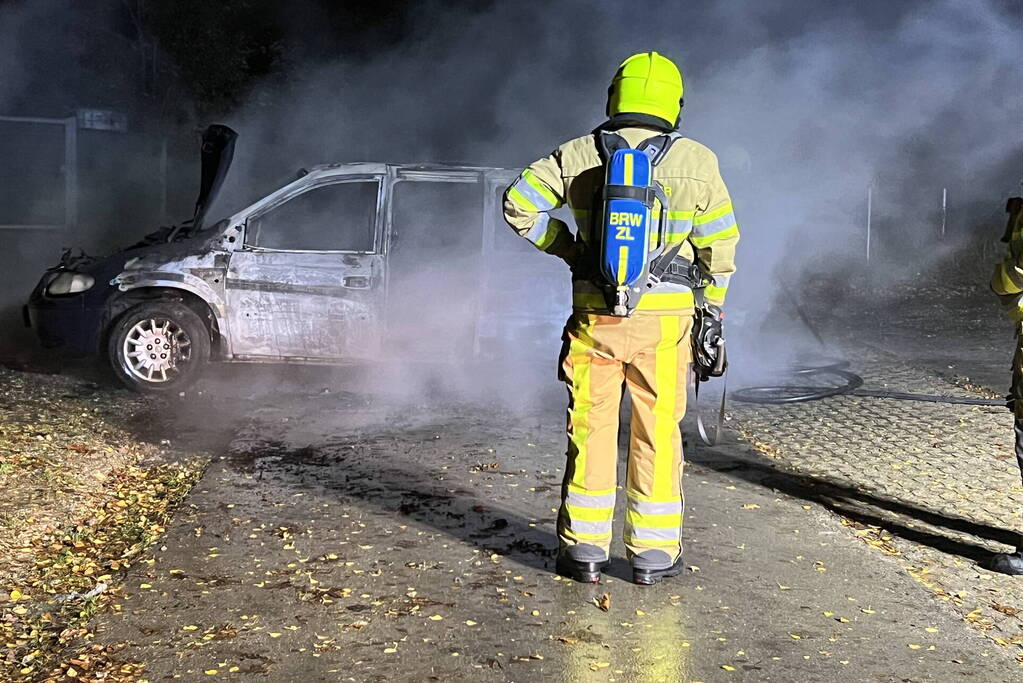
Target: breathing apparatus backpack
x,y
634,254
633,251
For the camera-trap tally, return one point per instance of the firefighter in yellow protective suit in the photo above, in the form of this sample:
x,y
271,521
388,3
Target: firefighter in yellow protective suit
x,y
648,351
1007,283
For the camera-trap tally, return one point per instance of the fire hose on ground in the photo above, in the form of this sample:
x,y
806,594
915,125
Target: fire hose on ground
x,y
828,378
848,384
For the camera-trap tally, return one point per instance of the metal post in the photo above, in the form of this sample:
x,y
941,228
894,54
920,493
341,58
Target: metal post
x,y
944,210
71,173
870,201
163,181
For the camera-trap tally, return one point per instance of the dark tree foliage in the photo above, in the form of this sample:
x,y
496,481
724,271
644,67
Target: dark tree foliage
x,y
216,50
219,50
180,60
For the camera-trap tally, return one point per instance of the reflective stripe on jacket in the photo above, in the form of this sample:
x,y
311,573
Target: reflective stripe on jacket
x,y
700,214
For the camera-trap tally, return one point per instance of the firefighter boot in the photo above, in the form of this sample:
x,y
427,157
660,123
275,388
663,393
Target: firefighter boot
x,y
1007,563
1012,563
582,562
650,566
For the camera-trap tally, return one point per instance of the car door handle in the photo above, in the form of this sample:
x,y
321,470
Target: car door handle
x,y
356,282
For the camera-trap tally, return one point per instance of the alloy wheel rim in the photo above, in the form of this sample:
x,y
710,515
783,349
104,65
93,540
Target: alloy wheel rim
x,y
155,350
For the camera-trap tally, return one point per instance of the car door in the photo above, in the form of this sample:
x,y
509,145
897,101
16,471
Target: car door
x,y
433,264
526,294
308,280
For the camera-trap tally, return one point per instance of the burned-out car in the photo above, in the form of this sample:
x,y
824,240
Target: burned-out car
x,y
349,262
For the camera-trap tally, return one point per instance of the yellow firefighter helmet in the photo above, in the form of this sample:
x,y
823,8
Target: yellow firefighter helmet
x,y
647,83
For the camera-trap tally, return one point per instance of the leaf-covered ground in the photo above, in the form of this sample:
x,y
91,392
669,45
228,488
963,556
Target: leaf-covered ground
x,y
83,495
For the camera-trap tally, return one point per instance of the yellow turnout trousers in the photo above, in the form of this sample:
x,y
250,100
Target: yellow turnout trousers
x,y
650,354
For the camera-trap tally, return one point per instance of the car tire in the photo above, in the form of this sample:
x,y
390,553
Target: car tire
x,y
158,346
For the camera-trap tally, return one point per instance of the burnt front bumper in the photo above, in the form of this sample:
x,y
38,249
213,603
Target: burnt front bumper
x,y
73,322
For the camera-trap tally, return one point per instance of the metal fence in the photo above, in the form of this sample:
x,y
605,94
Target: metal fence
x,y
38,173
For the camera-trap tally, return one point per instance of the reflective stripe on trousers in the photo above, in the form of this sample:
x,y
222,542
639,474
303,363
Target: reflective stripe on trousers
x,y
650,355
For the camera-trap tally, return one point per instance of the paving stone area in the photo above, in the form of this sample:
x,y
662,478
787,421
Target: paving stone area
x,y
936,486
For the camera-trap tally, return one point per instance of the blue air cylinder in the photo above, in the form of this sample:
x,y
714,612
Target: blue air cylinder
x,y
627,224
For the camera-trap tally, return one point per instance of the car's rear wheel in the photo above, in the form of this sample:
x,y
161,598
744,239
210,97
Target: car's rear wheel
x,y
158,346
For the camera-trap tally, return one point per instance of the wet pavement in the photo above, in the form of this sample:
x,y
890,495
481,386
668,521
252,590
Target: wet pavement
x,y
934,485
338,538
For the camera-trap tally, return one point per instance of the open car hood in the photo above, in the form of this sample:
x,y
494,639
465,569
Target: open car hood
x,y
217,152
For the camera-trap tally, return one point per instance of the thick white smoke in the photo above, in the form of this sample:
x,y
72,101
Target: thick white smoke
x,y
805,105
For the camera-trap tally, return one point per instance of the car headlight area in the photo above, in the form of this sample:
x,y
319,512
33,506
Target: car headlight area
x,y
70,283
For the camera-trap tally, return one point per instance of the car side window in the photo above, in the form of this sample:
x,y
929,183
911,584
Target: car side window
x,y
337,217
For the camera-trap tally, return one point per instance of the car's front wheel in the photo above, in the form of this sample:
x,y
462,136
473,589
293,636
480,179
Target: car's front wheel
x,y
158,346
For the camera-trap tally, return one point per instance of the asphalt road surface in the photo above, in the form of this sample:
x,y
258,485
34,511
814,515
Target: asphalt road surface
x,y
351,531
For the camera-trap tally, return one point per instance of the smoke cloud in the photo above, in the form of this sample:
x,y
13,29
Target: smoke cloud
x,y
806,106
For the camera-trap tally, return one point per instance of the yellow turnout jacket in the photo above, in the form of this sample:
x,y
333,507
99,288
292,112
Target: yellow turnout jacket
x,y
1007,280
700,215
